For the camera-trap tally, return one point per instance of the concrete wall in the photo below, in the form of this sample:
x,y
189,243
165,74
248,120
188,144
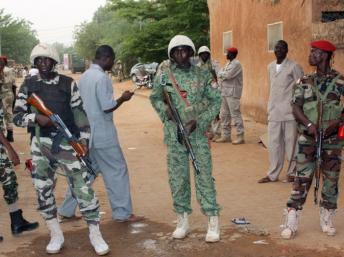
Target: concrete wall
x,y
248,20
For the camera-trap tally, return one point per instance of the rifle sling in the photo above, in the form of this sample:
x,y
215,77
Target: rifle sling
x,y
177,88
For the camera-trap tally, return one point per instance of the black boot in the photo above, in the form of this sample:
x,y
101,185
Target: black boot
x,y
10,136
19,224
1,238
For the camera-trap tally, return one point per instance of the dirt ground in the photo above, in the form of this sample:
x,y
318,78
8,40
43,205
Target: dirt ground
x,y
236,171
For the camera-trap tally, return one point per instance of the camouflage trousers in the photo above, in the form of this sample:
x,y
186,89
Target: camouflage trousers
x,y
7,104
44,179
8,178
305,167
179,177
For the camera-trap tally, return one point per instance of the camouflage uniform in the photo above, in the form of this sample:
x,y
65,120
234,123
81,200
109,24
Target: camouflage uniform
x,y
205,105
307,92
8,178
214,129
45,163
7,96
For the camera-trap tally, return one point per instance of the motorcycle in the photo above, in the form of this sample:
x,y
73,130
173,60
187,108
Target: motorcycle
x,y
143,74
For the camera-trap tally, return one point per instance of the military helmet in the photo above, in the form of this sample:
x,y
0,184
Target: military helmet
x,y
203,49
44,50
180,40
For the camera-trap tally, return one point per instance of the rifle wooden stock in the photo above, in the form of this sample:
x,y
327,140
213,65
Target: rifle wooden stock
x,y
78,148
36,102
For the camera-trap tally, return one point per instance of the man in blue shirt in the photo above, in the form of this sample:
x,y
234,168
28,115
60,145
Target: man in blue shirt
x,y
105,151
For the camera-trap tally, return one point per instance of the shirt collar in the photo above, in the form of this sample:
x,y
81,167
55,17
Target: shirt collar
x,y
97,67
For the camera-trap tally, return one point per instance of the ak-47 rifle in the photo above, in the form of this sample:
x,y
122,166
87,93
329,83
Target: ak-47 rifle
x,y
319,145
81,153
181,128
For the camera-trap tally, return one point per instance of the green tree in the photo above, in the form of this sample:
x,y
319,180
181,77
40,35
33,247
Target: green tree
x,y
158,21
17,38
140,30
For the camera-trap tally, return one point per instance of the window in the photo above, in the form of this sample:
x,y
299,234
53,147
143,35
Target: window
x,y
331,16
227,40
275,33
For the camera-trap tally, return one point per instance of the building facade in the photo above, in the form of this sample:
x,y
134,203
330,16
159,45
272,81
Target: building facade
x,y
253,26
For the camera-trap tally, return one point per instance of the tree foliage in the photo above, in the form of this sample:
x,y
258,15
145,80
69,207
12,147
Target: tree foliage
x,y
17,37
140,30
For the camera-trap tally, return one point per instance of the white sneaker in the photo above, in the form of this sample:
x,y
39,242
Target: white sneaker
x,y
291,223
97,241
326,224
56,236
182,228
213,233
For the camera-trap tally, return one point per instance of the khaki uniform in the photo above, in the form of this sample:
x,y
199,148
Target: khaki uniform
x,y
231,83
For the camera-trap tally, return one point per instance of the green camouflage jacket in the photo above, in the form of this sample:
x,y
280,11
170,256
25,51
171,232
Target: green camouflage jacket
x,y
204,100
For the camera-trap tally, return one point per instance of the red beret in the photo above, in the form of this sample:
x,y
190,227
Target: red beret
x,y
4,58
324,45
232,50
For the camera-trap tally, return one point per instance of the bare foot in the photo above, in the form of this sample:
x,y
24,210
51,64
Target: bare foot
x,y
132,218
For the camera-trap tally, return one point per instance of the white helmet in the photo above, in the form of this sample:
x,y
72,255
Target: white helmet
x,y
44,50
203,49
180,40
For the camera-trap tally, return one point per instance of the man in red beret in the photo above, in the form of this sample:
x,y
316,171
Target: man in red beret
x,y
317,109
230,81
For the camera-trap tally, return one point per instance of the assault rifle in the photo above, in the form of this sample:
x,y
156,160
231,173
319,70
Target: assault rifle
x,y
81,153
181,128
319,145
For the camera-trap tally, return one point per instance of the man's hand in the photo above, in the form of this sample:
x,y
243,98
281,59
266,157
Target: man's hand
x,y
312,130
43,120
126,96
332,128
14,157
190,126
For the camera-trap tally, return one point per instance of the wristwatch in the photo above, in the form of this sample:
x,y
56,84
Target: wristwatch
x,y
309,124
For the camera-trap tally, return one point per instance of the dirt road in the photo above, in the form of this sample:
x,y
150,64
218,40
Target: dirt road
x,y
236,170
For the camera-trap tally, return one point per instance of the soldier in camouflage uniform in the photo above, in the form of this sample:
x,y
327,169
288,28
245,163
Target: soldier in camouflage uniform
x,y
8,179
204,104
7,80
325,87
206,63
49,151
